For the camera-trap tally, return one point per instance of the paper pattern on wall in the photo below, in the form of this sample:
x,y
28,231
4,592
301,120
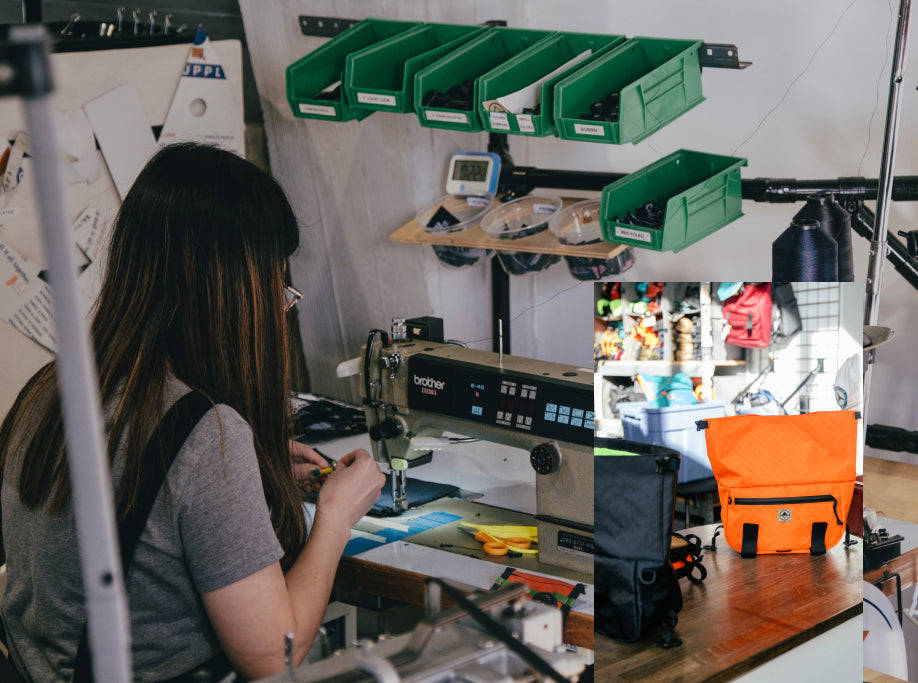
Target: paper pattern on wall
x,y
205,107
123,132
25,300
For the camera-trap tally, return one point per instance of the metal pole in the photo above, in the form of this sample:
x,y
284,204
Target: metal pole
x,y
878,244
106,601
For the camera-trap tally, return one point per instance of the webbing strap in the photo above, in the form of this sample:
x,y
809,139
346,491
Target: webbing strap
x,y
176,426
818,538
750,540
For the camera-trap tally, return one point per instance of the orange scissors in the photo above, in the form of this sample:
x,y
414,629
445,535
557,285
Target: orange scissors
x,y
501,546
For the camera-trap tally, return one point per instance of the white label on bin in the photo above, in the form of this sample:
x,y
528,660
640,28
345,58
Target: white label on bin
x,y
373,98
543,208
447,116
316,109
584,129
524,121
499,120
476,201
630,234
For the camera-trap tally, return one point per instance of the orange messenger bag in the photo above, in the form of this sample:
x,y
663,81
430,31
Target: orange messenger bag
x,y
785,481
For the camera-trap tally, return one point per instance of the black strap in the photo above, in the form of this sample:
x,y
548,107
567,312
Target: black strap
x,y
750,540
169,435
818,538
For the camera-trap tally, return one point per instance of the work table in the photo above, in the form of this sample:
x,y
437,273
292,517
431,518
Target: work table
x,y
745,613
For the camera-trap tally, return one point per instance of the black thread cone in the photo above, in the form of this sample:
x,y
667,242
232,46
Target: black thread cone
x,y
835,222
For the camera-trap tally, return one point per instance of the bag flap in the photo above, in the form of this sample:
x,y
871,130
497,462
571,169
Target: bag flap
x,y
772,450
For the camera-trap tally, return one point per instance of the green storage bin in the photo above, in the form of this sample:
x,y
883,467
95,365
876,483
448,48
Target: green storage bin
x,y
310,75
381,76
701,193
469,62
657,81
528,67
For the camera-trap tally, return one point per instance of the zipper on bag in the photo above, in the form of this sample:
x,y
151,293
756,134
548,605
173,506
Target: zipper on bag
x,y
792,500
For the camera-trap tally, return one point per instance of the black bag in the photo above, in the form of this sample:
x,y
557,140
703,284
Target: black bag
x,y
636,588
785,316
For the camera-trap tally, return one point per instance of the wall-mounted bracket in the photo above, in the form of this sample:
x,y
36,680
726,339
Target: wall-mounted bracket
x,y
720,56
326,27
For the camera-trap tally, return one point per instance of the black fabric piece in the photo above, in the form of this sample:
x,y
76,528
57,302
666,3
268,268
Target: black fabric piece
x,y
635,583
442,218
818,538
418,492
750,540
162,447
8,671
786,321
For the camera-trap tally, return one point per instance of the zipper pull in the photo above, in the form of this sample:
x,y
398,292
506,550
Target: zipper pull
x,y
749,325
729,500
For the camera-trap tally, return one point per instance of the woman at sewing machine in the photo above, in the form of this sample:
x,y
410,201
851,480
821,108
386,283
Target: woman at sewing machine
x,y
193,305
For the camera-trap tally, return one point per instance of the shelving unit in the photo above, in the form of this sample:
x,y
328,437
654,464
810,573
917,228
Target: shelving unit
x,y
704,367
544,242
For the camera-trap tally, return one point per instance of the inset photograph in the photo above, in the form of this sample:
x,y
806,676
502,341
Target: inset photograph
x,y
728,502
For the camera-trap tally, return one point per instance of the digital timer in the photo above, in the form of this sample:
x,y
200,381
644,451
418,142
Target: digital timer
x,y
473,173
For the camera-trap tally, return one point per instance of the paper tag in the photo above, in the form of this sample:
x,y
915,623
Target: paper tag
x,y
476,201
584,129
447,116
630,234
543,208
374,98
524,121
499,120
317,109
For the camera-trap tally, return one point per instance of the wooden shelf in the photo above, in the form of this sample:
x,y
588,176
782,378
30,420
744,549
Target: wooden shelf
x,y
693,368
544,242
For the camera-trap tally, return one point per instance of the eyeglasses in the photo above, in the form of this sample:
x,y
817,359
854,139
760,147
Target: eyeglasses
x,y
291,296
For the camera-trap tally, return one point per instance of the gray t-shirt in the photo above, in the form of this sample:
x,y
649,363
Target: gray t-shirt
x,y
213,530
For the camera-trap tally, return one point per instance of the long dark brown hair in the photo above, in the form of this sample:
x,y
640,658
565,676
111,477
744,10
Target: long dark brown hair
x,y
194,287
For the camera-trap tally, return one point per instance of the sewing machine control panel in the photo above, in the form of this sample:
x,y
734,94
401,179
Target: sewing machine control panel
x,y
545,406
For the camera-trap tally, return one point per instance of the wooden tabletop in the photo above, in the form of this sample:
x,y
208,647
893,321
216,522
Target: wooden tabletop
x,y
871,676
889,488
906,566
745,613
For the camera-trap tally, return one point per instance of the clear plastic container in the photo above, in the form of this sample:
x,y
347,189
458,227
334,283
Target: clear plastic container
x,y
521,218
453,213
580,223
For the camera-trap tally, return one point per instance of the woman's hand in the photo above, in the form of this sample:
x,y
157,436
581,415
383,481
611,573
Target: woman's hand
x,y
303,459
350,491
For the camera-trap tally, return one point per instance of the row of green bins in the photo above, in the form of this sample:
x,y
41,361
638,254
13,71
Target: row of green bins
x,y
697,194
466,65
527,69
657,80
382,76
311,80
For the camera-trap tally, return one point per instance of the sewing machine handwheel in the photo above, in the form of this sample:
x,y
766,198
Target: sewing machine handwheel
x,y
545,458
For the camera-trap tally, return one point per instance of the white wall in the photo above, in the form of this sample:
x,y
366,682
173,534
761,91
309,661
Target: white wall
x,y
811,106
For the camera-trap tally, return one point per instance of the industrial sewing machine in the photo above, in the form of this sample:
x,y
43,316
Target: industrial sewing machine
x,y
416,390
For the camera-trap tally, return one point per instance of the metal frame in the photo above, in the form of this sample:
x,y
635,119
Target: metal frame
x,y
23,53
